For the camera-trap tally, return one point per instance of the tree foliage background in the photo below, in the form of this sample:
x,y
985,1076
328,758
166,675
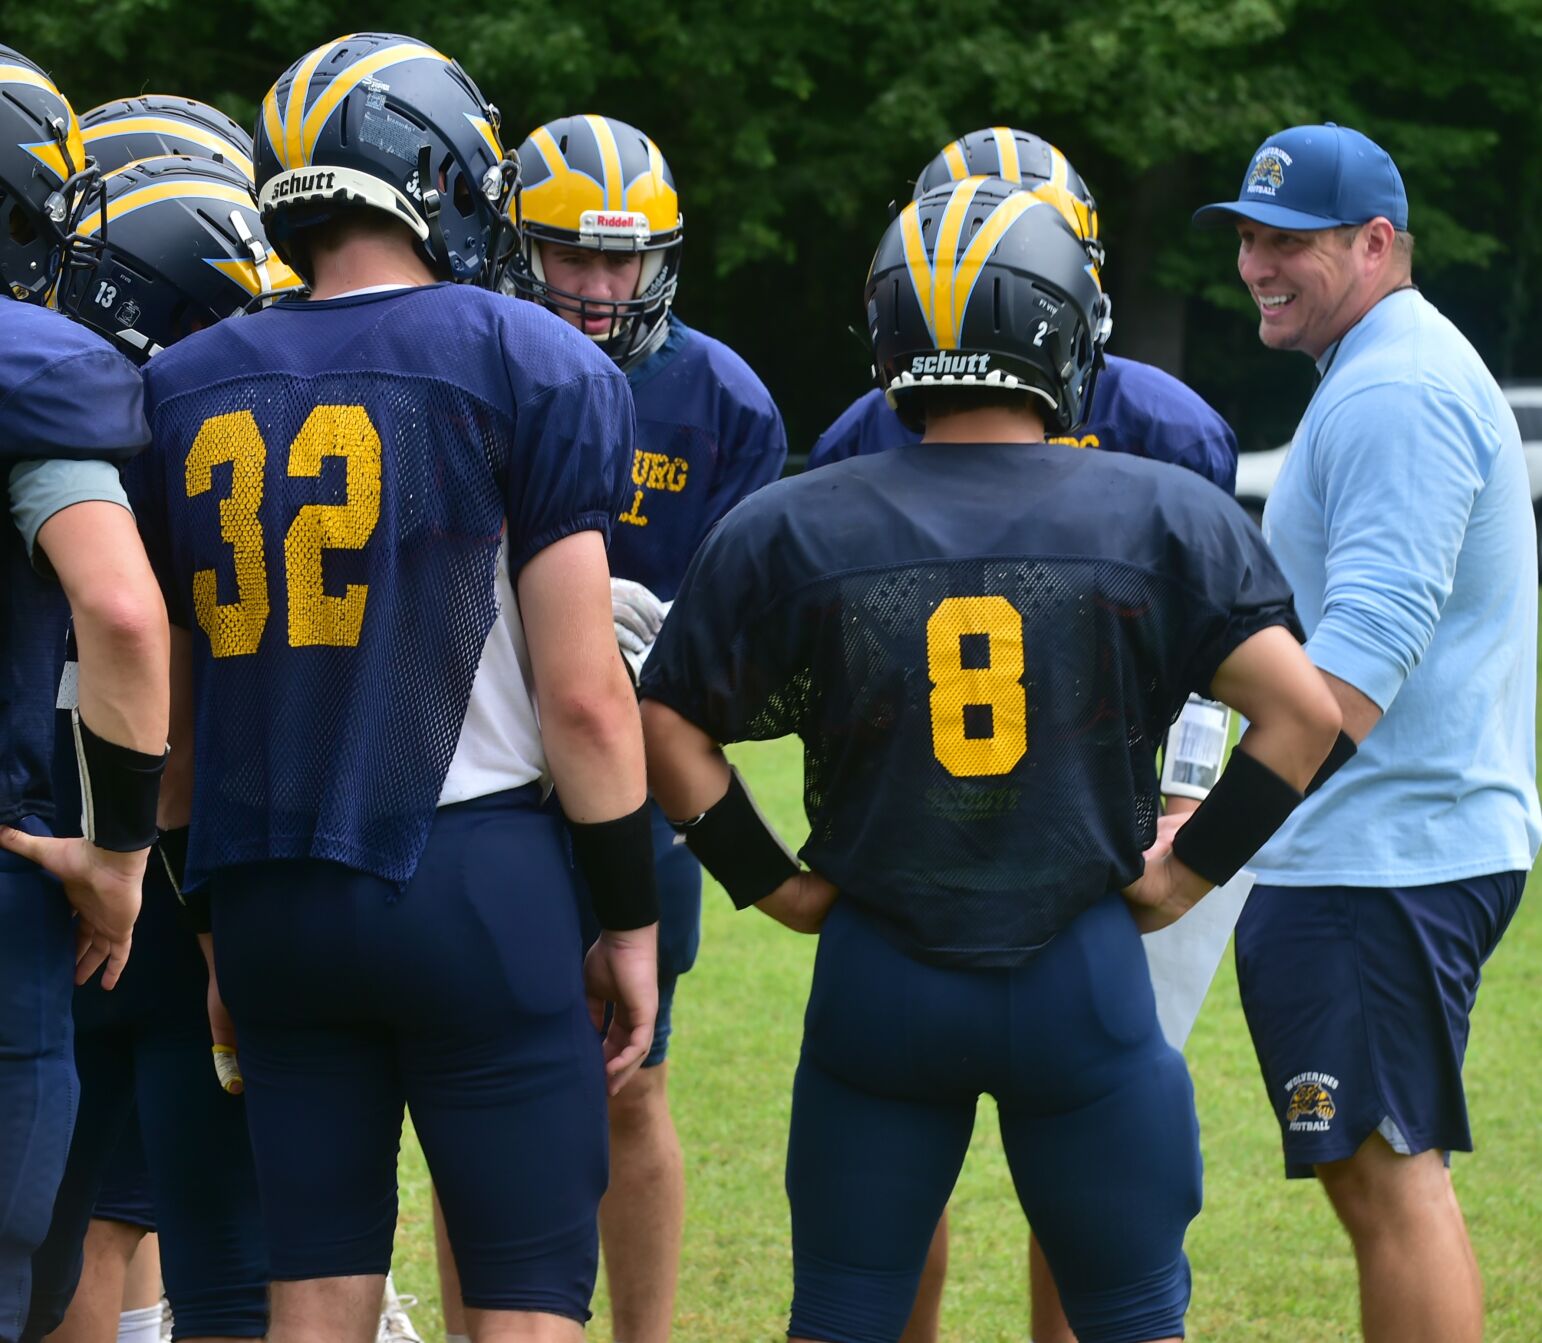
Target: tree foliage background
x,y
791,125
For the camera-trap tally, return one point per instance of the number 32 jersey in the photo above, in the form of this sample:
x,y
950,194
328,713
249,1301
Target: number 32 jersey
x,y
329,492
981,648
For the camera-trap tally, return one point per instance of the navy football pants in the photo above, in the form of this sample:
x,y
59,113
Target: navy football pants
x,y
1097,1118
145,1045
37,1069
460,996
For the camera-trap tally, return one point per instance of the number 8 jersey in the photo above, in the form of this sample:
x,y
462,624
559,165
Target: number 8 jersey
x,y
981,648
338,499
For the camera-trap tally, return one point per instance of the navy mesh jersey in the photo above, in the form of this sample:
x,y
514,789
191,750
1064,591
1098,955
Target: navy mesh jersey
x,y
708,433
981,648
64,393
325,500
1136,409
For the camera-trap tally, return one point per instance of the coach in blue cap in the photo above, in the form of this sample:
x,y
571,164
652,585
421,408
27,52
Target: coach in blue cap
x,y
1402,519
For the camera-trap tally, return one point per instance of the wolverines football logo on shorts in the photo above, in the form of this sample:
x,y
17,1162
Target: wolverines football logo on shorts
x,y
118,133
981,284
1311,1101
46,176
176,245
595,182
386,122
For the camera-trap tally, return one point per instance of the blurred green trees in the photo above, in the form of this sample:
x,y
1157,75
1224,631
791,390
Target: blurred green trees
x,y
791,124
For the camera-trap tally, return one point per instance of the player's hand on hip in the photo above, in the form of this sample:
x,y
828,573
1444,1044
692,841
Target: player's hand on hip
x,y
622,969
104,889
639,616
1166,890
801,902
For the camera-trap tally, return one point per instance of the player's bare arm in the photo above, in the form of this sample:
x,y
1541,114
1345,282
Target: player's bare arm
x,y
593,739
120,627
1294,726
690,776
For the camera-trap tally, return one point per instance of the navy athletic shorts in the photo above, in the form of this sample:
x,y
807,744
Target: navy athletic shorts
x,y
143,1050
124,1194
460,996
678,875
1097,1118
1358,1000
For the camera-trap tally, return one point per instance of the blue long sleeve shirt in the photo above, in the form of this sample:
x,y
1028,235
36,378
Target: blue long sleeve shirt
x,y
1402,519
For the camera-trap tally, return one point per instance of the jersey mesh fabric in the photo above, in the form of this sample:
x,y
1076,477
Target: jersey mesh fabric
x,y
979,729
331,542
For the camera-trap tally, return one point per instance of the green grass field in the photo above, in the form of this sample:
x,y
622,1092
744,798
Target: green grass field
x,y
1270,1263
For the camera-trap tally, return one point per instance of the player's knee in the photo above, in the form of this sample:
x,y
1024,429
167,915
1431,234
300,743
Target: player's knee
x,y
642,1105
1377,1190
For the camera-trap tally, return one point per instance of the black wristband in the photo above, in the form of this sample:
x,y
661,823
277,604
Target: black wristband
x,y
737,845
1341,754
119,788
171,852
1247,805
616,859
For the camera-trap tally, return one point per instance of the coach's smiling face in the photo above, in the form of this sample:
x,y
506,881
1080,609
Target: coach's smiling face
x,y
1311,287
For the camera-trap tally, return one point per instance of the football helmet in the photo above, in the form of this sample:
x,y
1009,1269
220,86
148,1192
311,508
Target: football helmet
x,y
46,177
384,121
154,124
1029,161
595,182
980,284
176,246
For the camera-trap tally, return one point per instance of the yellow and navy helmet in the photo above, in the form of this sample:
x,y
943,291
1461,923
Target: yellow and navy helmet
x,y
1026,159
980,284
154,124
596,182
45,176
387,122
175,246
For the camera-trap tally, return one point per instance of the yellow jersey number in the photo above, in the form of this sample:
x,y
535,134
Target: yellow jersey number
x,y
994,682
235,628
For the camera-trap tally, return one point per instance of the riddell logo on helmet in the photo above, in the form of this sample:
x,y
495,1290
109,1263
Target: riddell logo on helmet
x,y
292,186
626,223
950,363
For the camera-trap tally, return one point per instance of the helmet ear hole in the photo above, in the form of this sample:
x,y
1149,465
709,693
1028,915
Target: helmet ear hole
x,y
21,228
462,198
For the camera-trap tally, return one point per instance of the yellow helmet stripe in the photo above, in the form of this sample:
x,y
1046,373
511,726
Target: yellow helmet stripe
x,y
20,74
244,273
162,191
170,126
50,154
1006,153
946,313
653,173
350,78
273,124
916,261
294,113
546,147
953,156
1059,169
610,158
484,128
983,244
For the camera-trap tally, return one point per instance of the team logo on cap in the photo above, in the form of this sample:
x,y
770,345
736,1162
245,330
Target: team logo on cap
x,y
1267,174
1311,1102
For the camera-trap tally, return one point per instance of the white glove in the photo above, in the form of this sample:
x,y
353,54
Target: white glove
x,y
639,616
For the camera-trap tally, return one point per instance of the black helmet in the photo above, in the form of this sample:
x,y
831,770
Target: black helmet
x,y
1026,160
384,121
45,176
154,124
979,284
177,247
595,182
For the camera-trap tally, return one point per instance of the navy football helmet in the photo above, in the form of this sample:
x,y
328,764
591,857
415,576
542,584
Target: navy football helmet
x,y
384,121
595,182
980,284
154,124
46,177
177,246
1026,160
